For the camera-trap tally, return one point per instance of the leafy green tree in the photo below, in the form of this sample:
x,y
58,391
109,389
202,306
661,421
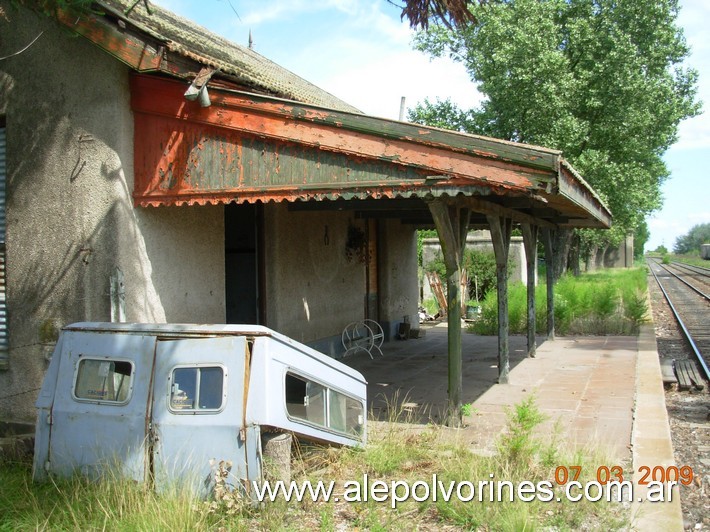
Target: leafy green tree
x,y
602,80
641,236
692,240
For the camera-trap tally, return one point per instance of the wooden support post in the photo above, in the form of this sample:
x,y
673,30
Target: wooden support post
x,y
452,226
550,276
501,229
530,233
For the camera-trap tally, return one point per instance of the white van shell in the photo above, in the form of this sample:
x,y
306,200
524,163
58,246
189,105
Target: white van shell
x,y
145,436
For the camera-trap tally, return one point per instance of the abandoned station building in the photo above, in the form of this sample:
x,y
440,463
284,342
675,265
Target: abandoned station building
x,y
155,172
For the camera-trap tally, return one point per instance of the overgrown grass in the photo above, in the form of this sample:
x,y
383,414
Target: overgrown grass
x,y
604,302
693,260
431,306
396,452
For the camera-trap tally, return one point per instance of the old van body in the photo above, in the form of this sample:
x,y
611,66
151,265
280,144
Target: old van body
x,y
158,402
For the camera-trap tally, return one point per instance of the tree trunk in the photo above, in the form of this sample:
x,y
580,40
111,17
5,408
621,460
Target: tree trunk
x,y
591,262
601,257
574,256
277,456
561,241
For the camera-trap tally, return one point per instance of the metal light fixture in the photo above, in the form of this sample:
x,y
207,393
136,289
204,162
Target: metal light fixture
x,y
198,88
200,94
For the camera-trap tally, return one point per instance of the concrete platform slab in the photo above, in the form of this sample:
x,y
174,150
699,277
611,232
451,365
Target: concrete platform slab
x,y
605,390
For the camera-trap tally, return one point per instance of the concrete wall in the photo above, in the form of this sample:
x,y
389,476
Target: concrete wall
x,y
619,257
70,219
312,290
398,276
480,241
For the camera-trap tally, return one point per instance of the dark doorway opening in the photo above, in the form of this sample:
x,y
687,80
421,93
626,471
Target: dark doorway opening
x,y
242,229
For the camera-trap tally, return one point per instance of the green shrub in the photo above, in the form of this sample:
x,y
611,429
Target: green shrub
x,y
605,302
481,269
517,445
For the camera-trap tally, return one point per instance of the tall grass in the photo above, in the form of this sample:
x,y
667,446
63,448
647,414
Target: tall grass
x,y
80,504
396,451
604,302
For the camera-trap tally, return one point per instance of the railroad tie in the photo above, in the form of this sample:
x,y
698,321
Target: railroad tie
x,y
688,375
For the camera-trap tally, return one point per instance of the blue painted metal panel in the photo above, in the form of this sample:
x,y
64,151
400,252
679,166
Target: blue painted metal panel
x,y
92,435
187,437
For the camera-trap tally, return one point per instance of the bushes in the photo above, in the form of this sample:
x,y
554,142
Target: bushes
x,y
605,302
481,268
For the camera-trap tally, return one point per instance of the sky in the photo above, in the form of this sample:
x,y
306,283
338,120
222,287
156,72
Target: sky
x,y
361,52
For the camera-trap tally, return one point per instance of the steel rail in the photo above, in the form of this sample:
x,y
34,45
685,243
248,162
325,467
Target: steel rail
x,y
688,337
692,287
702,270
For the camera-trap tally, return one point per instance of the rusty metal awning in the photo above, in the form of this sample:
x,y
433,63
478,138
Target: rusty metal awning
x,y
248,148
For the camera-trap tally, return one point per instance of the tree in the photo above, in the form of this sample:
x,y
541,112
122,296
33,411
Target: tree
x,y
641,236
450,13
692,240
601,80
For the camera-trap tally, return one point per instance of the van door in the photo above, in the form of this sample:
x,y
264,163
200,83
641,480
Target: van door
x,y
99,416
198,410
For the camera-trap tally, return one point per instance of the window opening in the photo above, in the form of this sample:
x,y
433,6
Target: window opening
x,y
105,381
197,389
315,403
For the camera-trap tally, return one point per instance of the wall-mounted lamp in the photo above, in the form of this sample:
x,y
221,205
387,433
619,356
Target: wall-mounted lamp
x,y
201,95
198,88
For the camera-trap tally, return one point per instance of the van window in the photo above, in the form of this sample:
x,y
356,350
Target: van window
x,y
314,402
105,381
197,389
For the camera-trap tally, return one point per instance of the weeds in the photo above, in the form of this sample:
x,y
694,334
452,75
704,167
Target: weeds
x,y
605,302
517,445
396,452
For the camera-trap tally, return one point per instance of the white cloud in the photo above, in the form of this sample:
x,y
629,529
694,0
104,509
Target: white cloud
x,y
699,217
377,87
666,226
694,133
693,18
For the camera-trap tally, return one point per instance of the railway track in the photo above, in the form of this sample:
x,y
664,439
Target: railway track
x,y
686,289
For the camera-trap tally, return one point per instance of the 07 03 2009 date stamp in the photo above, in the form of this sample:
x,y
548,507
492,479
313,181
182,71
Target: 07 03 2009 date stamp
x,y
648,474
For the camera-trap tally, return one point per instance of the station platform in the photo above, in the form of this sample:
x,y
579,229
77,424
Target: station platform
x,y
605,391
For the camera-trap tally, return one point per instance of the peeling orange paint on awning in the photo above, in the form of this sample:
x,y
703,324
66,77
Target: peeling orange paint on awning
x,y
249,148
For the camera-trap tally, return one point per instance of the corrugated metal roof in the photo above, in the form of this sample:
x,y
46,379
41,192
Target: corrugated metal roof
x,y
238,62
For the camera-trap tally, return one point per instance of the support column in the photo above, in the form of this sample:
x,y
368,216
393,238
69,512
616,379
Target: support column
x,y
550,276
500,234
452,226
530,233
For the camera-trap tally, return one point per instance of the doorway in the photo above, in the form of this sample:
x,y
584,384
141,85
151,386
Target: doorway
x,y
242,234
